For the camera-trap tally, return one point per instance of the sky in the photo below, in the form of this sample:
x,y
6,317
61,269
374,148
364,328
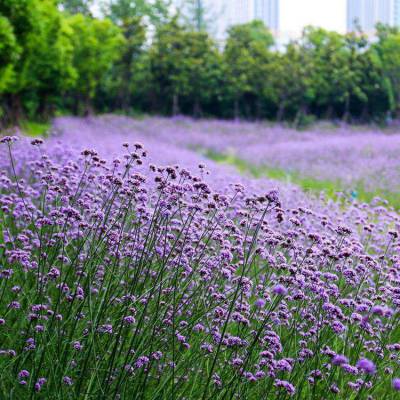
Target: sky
x,y
329,14
296,14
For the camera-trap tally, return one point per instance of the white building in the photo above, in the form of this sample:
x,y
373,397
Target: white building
x,y
367,13
232,12
268,12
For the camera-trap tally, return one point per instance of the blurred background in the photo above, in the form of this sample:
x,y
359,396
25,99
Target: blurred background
x,y
280,60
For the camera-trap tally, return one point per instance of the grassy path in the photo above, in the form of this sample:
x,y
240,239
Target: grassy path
x,y
32,128
308,184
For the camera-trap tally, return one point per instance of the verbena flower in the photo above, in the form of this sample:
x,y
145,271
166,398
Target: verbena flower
x,y
367,366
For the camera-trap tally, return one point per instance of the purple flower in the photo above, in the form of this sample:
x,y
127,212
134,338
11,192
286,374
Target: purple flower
x,y
339,359
396,384
129,320
54,273
156,355
38,385
290,389
36,142
141,362
280,290
77,346
259,303
367,366
67,381
378,310
23,374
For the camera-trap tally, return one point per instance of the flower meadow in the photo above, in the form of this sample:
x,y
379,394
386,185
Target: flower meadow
x,y
352,156
132,268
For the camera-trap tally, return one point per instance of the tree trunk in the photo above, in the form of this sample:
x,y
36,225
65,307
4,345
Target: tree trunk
x,y
329,112
16,109
365,113
6,118
44,109
88,110
258,109
236,110
281,112
175,105
197,112
124,91
346,115
302,112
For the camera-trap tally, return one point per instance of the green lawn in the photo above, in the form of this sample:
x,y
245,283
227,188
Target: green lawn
x,y
33,128
308,184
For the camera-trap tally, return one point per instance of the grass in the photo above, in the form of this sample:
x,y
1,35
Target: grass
x,y
331,189
34,128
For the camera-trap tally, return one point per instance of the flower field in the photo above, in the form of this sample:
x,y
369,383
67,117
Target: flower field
x,y
132,267
350,156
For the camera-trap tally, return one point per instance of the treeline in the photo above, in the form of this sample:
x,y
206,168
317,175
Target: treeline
x,y
57,57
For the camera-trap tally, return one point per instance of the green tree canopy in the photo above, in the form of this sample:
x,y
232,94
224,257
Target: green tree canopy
x,y
157,12
246,55
77,6
96,47
9,53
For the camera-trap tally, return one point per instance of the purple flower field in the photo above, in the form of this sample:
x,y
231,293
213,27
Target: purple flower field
x,y
348,155
134,268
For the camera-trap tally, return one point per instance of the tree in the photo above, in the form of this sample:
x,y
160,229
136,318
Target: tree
x,y
202,65
291,74
327,54
185,65
376,87
129,16
97,45
246,54
166,63
157,11
21,16
195,14
351,78
77,6
9,53
51,70
387,50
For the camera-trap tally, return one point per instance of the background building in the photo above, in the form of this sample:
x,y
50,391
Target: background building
x,y
367,13
268,12
232,12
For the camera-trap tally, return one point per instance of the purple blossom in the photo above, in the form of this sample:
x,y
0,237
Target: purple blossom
x,y
23,374
280,290
67,380
290,389
396,384
141,362
339,359
259,303
129,320
367,366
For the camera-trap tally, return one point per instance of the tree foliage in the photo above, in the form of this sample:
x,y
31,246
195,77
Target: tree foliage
x,y
9,53
55,55
185,65
77,6
96,47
